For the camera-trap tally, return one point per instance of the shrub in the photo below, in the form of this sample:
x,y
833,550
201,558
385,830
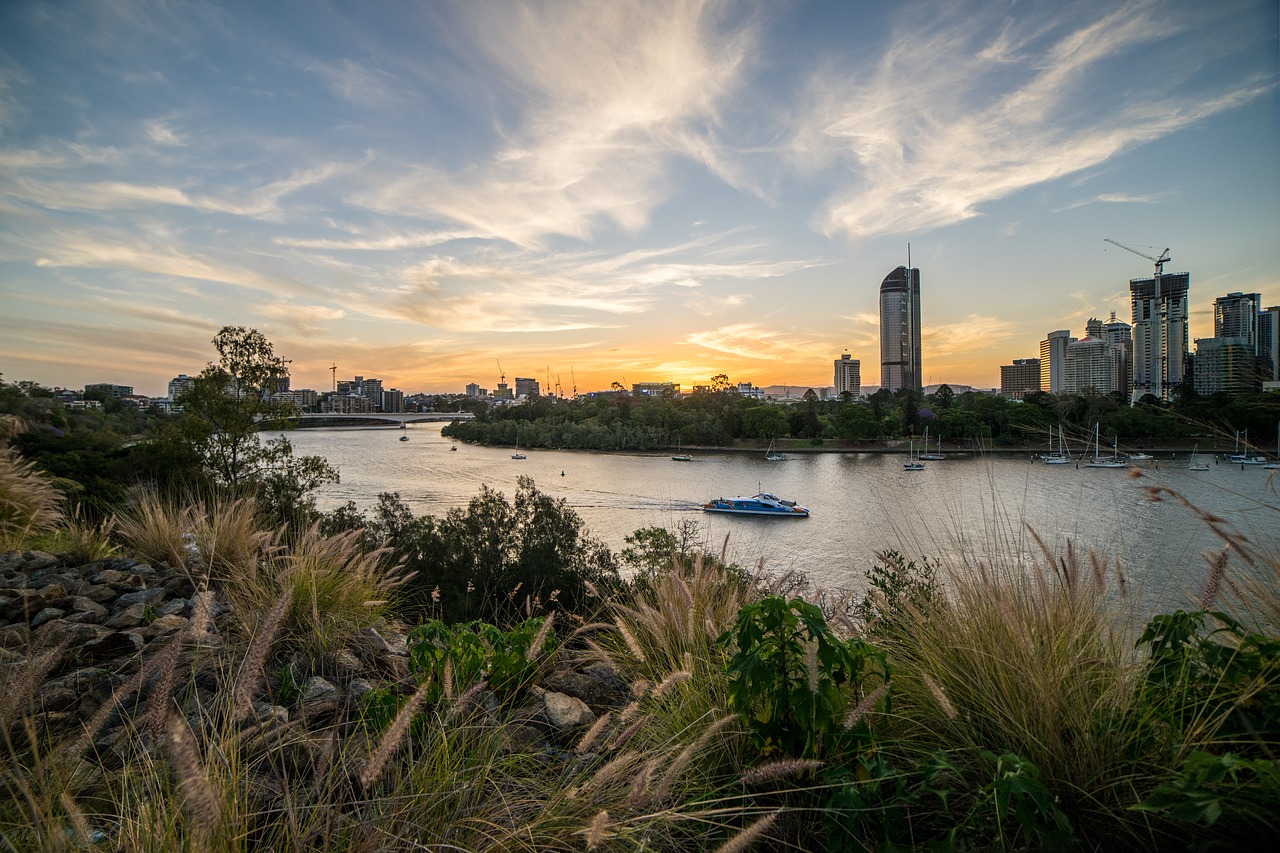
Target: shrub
x,y
793,681
156,529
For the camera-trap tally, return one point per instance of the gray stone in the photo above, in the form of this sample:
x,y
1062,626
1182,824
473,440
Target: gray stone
x,y
392,643
142,596
46,615
346,662
130,617
172,607
52,591
114,645
166,625
55,698
319,697
357,689
75,635
100,594
83,604
108,576
598,689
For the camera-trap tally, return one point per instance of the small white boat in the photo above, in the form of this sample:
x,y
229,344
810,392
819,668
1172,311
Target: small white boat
x,y
1197,463
682,457
760,504
772,455
518,456
1140,457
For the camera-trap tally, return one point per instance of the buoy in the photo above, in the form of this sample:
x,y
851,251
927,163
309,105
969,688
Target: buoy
x,y
561,473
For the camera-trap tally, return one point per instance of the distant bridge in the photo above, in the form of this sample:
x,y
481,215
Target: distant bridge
x,y
325,419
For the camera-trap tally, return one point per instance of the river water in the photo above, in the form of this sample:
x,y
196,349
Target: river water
x,y
967,508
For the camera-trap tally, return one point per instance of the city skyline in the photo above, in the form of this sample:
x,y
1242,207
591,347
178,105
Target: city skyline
x,y
637,192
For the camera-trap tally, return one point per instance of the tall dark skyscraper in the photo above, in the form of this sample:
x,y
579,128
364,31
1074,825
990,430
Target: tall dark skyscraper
x,y
900,330
1161,338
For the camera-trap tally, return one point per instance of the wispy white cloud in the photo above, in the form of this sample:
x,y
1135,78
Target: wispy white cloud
x,y
753,341
1113,198
955,116
610,93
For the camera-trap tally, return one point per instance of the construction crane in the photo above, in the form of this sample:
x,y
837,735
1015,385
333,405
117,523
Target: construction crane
x,y
574,380
503,379
1159,262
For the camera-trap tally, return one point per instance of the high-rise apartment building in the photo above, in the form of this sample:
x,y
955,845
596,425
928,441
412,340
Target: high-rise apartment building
x,y
1119,337
900,330
1269,343
180,384
1224,365
1161,337
526,387
1019,378
1088,367
1236,316
848,376
1053,361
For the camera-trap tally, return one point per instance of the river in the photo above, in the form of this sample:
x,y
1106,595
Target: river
x,y
972,506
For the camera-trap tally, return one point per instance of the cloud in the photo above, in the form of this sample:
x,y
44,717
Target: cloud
x,y
161,133
751,340
959,338
305,319
954,116
354,82
608,95
1114,198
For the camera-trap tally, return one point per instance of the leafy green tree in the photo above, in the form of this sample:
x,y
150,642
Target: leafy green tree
x,y
226,406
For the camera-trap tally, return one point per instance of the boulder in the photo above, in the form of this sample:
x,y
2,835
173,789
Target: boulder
x,y
563,712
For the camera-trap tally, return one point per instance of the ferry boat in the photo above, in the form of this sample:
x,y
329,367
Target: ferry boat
x,y
761,503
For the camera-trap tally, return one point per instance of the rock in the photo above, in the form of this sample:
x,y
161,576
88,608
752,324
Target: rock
x,y
166,625
142,596
100,594
114,645
392,643
83,604
34,561
356,690
563,712
175,606
131,617
347,663
45,615
522,738
598,688
107,576
74,634
319,698
52,592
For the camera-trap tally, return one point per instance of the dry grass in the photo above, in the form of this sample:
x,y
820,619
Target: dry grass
x,y
229,538
29,502
156,530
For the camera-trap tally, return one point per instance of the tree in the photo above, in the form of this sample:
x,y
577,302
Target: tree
x,y
942,399
720,382
224,409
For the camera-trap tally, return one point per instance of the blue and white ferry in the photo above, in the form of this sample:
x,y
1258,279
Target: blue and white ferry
x,y
761,503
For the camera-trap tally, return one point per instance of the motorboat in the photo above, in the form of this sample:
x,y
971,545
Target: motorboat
x,y
761,503
682,457
518,456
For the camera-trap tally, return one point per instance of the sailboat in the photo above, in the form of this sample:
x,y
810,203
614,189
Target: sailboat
x,y
1101,461
1197,463
680,457
404,436
1244,457
912,463
1062,455
932,457
772,455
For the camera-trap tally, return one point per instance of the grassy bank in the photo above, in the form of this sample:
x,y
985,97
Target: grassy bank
x,y
988,706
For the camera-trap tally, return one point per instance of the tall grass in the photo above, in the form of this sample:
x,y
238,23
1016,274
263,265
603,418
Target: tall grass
x,y
29,502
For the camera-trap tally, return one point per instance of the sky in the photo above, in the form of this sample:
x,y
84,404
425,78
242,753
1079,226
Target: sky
x,y
439,193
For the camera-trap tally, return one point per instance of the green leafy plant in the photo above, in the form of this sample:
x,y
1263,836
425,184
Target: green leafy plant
x,y
1213,786
1015,806
793,680
1214,683
461,655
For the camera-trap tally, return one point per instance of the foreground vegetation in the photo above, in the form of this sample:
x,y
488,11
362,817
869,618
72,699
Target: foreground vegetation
x,y
1003,707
